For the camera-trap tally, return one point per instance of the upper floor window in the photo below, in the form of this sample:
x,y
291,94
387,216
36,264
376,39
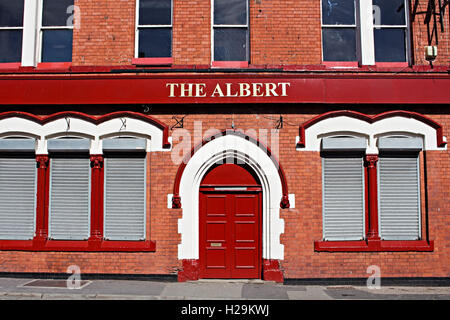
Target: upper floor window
x,y
390,30
367,31
11,30
154,29
339,30
56,31
230,30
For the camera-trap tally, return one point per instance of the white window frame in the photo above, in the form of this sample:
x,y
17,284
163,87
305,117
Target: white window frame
x,y
16,28
405,27
41,28
365,40
149,26
344,26
239,26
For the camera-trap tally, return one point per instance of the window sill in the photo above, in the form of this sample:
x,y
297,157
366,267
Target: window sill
x,y
91,245
391,64
340,64
230,64
9,66
375,245
152,61
54,66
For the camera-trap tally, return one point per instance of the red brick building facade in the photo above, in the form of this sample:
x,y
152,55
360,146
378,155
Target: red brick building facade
x,y
340,120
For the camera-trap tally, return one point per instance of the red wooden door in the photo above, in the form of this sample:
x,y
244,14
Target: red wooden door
x,y
230,233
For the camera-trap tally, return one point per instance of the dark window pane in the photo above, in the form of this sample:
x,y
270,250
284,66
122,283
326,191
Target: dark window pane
x,y
10,45
231,12
230,44
336,12
11,13
155,43
55,12
56,46
155,12
389,12
339,44
390,45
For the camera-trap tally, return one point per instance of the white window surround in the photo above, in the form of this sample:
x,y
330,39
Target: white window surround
x,y
365,44
61,127
213,26
32,32
345,125
248,152
41,28
138,26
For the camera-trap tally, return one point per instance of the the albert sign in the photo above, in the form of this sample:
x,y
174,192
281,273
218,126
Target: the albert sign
x,y
228,90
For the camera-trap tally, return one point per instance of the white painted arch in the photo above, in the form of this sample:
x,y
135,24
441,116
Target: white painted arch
x,y
247,152
76,127
351,126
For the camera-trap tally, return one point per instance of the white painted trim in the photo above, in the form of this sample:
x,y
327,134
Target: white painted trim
x,y
345,125
148,26
82,128
29,37
366,35
291,201
213,26
249,153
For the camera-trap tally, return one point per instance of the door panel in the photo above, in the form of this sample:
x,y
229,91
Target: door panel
x,y
230,234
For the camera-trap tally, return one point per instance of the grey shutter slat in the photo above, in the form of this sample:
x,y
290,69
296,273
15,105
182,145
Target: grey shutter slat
x,y
124,198
343,199
69,198
399,200
17,198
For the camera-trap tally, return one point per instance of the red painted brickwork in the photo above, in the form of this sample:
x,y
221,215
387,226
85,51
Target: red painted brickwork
x,y
303,225
281,33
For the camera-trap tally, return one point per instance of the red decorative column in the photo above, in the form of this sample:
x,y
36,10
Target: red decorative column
x,y
96,198
42,198
373,197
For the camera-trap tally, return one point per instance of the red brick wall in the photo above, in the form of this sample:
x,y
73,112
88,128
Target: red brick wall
x,y
303,225
285,32
281,32
106,33
420,37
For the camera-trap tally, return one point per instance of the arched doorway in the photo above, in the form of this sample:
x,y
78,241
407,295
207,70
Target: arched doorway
x,y
249,151
230,207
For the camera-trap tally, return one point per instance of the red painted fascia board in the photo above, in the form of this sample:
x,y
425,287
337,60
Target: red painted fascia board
x,y
145,89
374,246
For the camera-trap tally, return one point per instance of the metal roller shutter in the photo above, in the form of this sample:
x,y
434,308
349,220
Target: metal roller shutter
x,y
399,198
69,198
343,199
17,198
124,198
